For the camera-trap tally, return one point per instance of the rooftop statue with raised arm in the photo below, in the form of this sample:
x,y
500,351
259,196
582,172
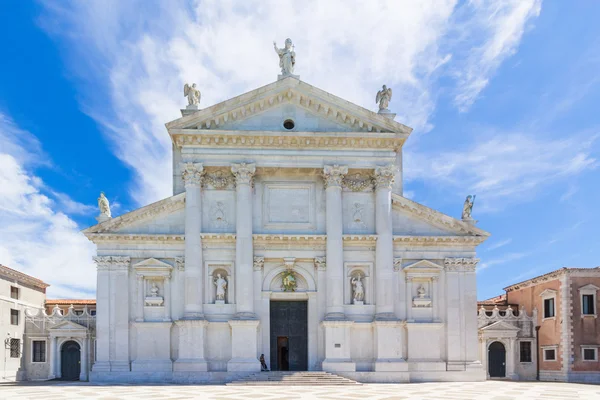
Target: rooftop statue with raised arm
x,y
287,57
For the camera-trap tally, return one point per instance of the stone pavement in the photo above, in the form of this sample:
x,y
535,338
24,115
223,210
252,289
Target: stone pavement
x,y
490,390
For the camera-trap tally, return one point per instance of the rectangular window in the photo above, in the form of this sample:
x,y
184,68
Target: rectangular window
x,y
589,354
14,292
588,304
525,354
39,351
549,355
549,308
15,348
14,317
93,312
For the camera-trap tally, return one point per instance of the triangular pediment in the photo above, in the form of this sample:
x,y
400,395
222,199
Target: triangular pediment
x,y
166,214
292,96
423,266
152,263
68,326
548,293
500,326
589,287
412,218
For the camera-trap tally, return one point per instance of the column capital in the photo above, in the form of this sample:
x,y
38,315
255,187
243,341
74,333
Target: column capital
x,y
334,175
243,172
192,173
397,264
259,263
105,263
180,263
384,177
320,263
460,264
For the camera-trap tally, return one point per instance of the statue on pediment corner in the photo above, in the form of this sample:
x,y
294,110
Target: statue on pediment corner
x,y
468,207
104,206
383,98
192,94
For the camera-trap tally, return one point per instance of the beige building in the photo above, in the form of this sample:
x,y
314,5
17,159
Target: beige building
x,y
554,335
18,292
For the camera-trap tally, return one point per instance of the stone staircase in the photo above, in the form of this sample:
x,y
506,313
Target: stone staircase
x,y
291,378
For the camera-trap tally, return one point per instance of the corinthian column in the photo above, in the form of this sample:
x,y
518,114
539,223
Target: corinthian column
x,y
192,178
384,250
244,255
333,175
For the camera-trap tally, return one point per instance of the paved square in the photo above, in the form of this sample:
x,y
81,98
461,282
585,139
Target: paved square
x,y
490,390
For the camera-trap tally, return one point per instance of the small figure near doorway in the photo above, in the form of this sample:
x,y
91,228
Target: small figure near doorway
x,y
263,364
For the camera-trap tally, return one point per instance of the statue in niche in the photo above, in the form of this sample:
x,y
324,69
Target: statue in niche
x,y
383,98
192,94
287,57
468,207
421,299
358,292
221,284
104,205
357,216
421,292
218,215
288,282
154,290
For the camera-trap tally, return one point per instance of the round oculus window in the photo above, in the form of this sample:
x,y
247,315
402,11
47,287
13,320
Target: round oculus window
x,y
289,124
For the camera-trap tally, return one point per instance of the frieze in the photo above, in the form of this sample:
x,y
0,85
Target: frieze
x,y
219,179
460,264
112,262
358,182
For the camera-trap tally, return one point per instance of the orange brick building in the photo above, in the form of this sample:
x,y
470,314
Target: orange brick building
x,y
567,328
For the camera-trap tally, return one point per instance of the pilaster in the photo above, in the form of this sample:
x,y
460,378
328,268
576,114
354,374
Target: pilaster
x,y
384,250
244,252
192,174
333,176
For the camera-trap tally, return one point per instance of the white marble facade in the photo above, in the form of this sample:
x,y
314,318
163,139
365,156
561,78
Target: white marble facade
x,y
184,284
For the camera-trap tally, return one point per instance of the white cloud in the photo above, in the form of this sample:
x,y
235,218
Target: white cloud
x,y
501,260
35,238
225,47
490,37
505,168
499,244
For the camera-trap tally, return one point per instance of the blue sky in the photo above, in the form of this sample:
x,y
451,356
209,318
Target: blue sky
x,y
502,95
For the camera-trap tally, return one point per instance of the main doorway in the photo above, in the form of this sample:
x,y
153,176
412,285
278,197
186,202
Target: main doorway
x,y
497,360
289,335
70,361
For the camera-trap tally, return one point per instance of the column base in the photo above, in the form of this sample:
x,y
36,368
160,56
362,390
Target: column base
x,y
386,316
243,365
391,365
339,365
335,316
245,316
190,365
120,366
99,366
193,316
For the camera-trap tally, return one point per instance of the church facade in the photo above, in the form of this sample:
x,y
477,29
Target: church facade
x,y
287,236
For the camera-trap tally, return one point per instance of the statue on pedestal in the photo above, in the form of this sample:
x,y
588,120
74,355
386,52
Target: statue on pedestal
x,y
287,57
104,207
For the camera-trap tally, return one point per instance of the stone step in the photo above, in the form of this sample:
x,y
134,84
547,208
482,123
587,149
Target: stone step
x,y
291,378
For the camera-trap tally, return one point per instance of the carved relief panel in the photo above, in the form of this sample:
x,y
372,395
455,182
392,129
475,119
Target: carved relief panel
x,y
358,212
218,211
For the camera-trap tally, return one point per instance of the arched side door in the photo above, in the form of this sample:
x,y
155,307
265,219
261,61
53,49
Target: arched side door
x,y
497,360
70,361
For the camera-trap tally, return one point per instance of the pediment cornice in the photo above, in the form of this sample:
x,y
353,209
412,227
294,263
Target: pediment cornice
x,y
437,218
289,91
167,205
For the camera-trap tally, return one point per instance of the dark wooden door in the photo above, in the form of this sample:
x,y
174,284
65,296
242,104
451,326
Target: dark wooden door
x,y
70,361
497,360
289,326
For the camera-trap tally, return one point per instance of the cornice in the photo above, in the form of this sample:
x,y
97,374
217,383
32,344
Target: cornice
x,y
439,240
285,140
289,91
460,264
135,237
21,277
437,218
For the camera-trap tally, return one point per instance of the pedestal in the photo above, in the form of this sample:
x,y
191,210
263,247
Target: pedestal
x,y
389,336
279,77
153,341
244,349
337,346
219,302
192,343
102,217
387,113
